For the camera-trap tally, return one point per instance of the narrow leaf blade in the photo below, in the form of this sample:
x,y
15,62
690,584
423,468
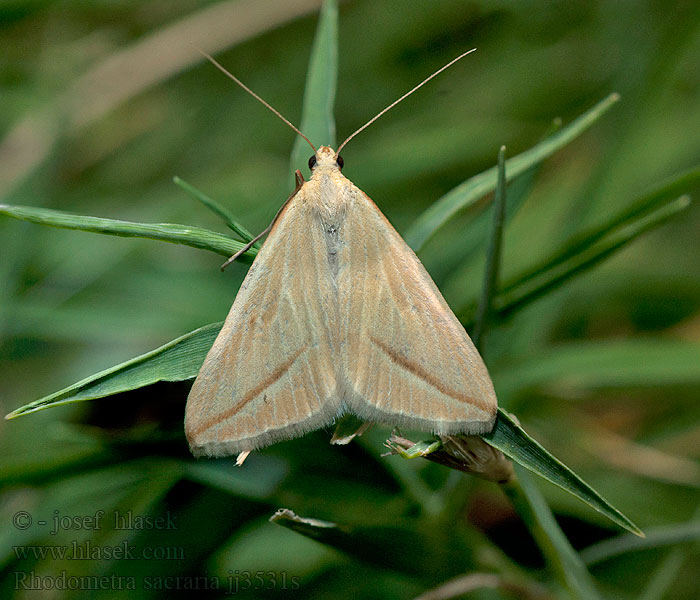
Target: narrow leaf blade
x,y
562,557
195,237
586,365
529,288
317,121
177,360
493,256
216,208
468,192
402,547
659,537
516,444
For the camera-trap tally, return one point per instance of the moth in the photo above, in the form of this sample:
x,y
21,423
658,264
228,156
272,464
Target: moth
x,y
336,315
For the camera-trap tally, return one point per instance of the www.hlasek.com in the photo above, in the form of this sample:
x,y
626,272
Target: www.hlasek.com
x,y
236,581
87,550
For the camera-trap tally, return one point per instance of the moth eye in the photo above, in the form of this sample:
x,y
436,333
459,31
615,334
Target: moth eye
x,y
312,162
340,161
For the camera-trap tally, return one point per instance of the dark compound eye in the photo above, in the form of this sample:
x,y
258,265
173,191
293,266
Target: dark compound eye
x,y
340,161
312,162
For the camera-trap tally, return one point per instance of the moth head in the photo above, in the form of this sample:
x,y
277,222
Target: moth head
x,y
326,157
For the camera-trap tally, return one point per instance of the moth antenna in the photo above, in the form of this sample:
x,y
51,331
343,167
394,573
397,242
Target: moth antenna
x,y
221,68
406,95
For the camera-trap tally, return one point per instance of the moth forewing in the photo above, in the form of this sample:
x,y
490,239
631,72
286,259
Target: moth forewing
x,y
408,360
270,374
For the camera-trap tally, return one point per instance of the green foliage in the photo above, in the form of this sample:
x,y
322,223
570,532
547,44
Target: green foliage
x,y
590,327
317,119
175,361
559,554
516,444
473,189
165,232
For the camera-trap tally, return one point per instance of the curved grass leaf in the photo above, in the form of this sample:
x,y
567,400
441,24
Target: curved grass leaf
x,y
668,568
457,258
669,190
530,287
587,253
516,444
474,188
663,577
588,248
652,361
217,209
317,121
560,555
54,462
187,235
658,537
410,549
177,360
125,485
493,255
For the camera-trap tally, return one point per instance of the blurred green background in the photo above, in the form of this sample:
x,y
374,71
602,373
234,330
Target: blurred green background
x,y
103,103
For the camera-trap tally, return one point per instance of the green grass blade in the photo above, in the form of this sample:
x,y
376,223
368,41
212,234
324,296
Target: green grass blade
x,y
474,188
669,190
560,555
476,233
605,364
516,444
555,273
404,547
175,361
658,537
55,461
587,251
119,485
195,237
637,215
493,257
216,208
663,576
474,236
317,121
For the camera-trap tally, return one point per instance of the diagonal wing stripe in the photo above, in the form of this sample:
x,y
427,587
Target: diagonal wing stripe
x,y
254,393
419,372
